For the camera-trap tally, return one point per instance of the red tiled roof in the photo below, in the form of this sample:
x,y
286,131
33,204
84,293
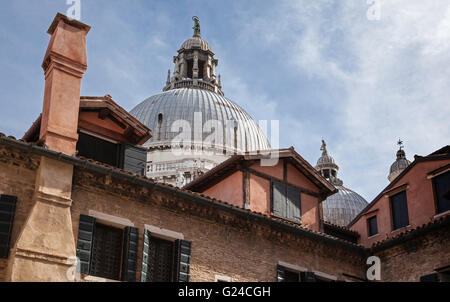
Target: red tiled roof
x,y
193,194
230,165
442,220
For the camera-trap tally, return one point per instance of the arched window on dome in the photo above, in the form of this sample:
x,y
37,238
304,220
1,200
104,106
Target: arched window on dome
x,y
160,121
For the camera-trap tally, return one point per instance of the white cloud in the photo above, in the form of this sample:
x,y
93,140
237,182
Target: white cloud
x,y
393,73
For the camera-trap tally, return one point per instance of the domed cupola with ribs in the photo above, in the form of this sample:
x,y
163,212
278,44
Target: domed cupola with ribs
x,y
343,206
195,66
193,95
400,164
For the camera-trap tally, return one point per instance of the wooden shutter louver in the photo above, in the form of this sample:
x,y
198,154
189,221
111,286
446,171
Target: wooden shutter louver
x,y
293,204
399,207
145,251
129,256
84,244
280,273
182,261
278,199
7,213
134,159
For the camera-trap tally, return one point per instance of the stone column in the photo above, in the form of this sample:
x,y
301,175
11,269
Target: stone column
x,y
46,243
195,67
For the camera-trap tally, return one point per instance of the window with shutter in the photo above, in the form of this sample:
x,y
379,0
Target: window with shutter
x,y
106,251
7,213
399,209
84,243
286,201
293,204
160,260
133,159
130,254
441,185
182,260
98,149
278,199
165,261
372,225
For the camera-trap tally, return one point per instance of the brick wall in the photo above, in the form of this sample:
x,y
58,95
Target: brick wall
x,y
414,258
243,252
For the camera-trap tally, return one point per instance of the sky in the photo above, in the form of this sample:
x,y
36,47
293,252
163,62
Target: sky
x,y
359,74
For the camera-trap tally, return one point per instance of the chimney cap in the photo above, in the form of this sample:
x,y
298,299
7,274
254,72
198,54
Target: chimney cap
x,y
69,21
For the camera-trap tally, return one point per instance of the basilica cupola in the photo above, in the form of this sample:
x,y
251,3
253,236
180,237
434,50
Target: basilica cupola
x,y
195,65
327,166
400,164
343,206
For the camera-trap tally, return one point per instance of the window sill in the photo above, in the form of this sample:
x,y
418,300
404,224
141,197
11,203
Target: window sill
x,y
89,278
441,214
401,229
373,236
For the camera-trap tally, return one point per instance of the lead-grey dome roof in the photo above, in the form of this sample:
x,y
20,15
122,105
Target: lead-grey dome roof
x,y
182,103
196,42
342,207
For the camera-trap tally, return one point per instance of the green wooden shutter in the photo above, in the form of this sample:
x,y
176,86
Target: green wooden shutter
x,y
7,213
182,261
145,251
280,273
278,199
86,231
293,204
129,258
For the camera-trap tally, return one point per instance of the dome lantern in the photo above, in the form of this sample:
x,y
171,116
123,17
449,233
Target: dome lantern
x,y
195,65
342,207
327,166
400,164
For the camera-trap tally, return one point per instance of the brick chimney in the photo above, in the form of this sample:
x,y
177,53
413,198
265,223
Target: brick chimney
x,y
45,248
64,64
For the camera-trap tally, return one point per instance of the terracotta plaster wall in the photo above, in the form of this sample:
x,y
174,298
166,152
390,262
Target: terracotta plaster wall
x,y
420,199
259,194
218,248
230,190
272,171
297,178
310,212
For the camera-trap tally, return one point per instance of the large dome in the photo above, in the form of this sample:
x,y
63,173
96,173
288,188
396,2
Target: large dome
x,y
342,207
160,111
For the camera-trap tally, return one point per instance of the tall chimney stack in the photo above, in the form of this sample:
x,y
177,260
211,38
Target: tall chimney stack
x,y
45,248
64,64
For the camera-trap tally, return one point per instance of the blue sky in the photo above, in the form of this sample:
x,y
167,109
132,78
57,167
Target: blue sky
x,y
320,67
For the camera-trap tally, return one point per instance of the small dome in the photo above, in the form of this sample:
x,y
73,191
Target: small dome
x,y
196,42
325,159
400,164
342,207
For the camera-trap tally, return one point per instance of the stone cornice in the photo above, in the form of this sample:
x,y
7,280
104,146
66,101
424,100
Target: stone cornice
x,y
56,61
